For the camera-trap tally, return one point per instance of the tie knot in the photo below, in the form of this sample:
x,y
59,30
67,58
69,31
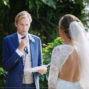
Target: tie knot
x,y
23,37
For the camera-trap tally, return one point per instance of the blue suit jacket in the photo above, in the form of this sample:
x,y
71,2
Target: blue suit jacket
x,y
13,63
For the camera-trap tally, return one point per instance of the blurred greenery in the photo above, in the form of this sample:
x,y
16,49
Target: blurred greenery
x,y
87,1
3,75
45,15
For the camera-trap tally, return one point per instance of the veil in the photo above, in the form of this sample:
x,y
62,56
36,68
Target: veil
x,y
81,44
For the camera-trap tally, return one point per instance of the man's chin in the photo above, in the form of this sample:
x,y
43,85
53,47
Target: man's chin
x,y
24,34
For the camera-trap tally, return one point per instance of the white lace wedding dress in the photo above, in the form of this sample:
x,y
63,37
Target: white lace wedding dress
x,y
60,55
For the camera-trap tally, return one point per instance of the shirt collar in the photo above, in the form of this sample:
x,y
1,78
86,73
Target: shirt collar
x,y
20,36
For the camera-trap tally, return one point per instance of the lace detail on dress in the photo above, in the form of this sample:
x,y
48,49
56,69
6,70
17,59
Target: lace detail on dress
x,y
59,55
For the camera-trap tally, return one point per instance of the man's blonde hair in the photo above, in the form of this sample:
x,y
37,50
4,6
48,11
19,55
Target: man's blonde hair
x,y
23,14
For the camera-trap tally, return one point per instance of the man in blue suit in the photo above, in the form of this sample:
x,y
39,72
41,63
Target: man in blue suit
x,y
22,51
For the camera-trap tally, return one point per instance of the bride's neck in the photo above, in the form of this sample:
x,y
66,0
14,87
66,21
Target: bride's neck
x,y
68,41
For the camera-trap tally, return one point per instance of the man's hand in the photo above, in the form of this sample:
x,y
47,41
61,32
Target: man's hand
x,y
23,44
42,70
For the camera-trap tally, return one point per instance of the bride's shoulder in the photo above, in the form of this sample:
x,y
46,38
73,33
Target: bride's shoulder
x,y
61,53
64,48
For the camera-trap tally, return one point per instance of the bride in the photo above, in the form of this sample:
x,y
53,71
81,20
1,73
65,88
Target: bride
x,y
69,67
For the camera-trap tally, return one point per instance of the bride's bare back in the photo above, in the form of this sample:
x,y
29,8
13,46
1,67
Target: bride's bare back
x,y
70,69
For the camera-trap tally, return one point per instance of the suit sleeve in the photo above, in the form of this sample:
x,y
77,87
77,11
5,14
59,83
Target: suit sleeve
x,y
10,60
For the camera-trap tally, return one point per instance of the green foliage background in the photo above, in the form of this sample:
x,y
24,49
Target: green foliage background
x,y
45,15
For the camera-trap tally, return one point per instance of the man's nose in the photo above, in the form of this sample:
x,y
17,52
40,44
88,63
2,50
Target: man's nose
x,y
24,27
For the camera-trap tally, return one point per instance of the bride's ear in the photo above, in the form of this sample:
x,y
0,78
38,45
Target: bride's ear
x,y
61,33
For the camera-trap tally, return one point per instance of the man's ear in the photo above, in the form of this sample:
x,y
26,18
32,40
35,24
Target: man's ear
x,y
15,24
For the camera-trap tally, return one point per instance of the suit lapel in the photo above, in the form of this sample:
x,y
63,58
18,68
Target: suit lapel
x,y
31,50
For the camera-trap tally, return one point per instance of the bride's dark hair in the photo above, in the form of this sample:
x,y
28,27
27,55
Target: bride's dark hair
x,y
65,21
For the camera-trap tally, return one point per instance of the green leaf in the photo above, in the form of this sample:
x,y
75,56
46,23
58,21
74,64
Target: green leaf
x,y
50,3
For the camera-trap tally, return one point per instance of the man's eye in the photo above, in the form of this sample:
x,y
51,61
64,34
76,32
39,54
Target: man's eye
x,y
26,24
21,24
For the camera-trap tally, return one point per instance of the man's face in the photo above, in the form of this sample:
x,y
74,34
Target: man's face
x,y
23,26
